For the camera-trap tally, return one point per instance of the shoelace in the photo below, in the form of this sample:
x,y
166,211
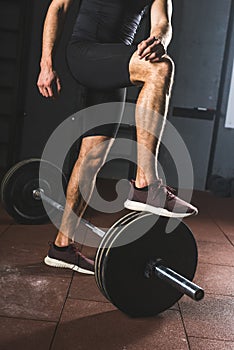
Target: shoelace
x,y
170,192
160,187
78,253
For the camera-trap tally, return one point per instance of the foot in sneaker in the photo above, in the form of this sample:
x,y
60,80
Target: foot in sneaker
x,y
69,257
158,199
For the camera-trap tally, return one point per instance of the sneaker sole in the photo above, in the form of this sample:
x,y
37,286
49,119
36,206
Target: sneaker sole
x,y
132,205
62,264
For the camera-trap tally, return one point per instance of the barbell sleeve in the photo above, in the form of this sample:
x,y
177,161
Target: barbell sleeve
x,y
39,194
179,282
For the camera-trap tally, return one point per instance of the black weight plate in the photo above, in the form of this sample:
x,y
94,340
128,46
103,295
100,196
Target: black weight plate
x,y
107,241
104,245
17,190
123,265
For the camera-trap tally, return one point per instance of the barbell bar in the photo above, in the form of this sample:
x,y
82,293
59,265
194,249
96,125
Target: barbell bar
x,y
179,282
142,274
39,194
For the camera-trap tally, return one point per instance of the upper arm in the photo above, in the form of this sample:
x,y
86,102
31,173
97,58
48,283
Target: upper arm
x,y
161,11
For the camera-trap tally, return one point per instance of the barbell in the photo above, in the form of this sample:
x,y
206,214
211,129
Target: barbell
x,y
141,274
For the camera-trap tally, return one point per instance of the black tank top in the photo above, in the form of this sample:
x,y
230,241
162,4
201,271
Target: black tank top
x,y
109,21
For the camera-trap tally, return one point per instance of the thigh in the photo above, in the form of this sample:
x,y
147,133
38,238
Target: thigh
x,y
100,66
107,118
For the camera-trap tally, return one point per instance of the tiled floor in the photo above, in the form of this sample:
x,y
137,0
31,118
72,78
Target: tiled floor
x,y
45,308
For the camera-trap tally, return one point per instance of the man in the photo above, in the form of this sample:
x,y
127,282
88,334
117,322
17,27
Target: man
x,y
102,57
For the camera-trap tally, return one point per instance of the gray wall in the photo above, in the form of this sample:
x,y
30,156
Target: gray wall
x,y
223,156
199,55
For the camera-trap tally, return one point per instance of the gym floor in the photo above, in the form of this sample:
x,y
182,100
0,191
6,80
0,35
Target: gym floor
x,y
46,308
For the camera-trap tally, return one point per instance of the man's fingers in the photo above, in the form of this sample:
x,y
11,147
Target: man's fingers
x,y
144,44
45,92
148,46
42,90
49,84
156,55
50,91
39,88
58,85
152,56
151,48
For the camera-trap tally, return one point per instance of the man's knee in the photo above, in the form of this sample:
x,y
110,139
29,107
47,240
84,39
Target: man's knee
x,y
142,71
161,70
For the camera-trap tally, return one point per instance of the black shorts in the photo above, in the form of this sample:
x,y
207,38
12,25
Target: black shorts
x,y
104,70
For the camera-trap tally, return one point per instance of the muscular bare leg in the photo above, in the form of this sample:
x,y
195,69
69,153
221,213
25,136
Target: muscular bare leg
x,y
151,111
92,155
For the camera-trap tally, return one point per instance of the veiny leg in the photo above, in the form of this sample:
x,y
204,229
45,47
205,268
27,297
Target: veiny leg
x,y
92,155
151,110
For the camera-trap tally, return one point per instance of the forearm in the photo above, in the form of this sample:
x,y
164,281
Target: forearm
x,y
162,31
51,33
48,80
161,13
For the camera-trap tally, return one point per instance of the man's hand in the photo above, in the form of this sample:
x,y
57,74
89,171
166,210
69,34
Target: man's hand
x,y
48,82
151,49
